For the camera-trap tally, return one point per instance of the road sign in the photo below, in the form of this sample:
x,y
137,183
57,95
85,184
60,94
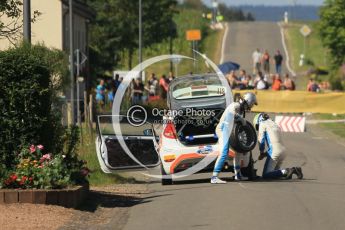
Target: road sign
x,y
291,123
193,35
81,57
305,30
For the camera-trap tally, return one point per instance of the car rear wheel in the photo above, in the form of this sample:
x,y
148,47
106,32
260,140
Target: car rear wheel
x,y
165,178
243,137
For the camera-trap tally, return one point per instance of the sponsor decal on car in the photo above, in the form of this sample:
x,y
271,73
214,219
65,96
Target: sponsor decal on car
x,y
205,149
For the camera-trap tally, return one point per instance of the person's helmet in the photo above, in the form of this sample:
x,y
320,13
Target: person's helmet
x,y
250,100
259,118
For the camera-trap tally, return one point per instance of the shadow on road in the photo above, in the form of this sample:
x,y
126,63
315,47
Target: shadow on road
x,y
97,199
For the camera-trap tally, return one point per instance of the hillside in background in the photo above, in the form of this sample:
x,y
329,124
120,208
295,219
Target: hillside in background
x,y
276,13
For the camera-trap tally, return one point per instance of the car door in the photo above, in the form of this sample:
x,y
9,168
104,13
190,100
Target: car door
x,y
141,142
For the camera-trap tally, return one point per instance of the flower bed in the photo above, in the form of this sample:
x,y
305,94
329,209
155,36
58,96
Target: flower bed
x,y
39,170
69,197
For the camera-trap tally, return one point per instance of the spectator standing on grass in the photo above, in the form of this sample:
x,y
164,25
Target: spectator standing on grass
x,y
163,84
138,90
152,85
276,83
266,62
256,57
288,83
100,94
115,84
278,59
170,77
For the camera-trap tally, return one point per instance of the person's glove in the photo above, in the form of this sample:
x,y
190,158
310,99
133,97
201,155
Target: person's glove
x,y
262,156
241,119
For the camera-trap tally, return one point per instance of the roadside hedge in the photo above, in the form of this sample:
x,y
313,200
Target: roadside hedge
x,y
27,114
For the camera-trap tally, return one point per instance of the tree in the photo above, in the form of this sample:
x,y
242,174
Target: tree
x,y
234,14
250,17
194,4
332,29
115,29
10,23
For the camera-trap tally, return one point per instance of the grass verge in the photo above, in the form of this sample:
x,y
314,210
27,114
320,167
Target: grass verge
x,y
186,19
87,152
316,56
337,128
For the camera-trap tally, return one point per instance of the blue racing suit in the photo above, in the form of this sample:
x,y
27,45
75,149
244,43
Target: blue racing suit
x,y
270,135
223,131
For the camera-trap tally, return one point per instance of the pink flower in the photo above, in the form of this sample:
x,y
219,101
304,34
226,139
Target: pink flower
x,y
46,157
32,148
40,147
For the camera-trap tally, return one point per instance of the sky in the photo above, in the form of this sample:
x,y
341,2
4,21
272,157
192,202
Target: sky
x,y
266,2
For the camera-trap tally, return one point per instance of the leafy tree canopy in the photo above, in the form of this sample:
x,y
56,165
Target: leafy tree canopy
x,y
332,29
116,28
10,20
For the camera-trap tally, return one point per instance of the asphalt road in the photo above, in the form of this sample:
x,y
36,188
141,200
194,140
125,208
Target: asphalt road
x,y
245,37
316,202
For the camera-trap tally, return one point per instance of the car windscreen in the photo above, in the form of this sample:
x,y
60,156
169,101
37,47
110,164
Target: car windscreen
x,y
197,87
106,126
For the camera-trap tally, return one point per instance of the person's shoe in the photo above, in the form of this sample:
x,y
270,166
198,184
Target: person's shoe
x,y
289,173
216,180
239,178
299,172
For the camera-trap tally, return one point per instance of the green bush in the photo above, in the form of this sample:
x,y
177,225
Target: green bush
x,y
30,78
26,95
337,80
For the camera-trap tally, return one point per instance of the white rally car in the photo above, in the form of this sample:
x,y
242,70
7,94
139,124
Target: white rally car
x,y
186,136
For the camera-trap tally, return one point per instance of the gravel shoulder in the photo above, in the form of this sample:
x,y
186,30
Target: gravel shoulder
x,y
106,207
33,216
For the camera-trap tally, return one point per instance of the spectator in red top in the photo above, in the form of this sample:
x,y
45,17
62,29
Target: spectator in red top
x,y
277,83
163,84
266,62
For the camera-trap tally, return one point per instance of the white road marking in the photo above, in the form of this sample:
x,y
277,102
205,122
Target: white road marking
x,y
241,185
225,36
287,61
318,138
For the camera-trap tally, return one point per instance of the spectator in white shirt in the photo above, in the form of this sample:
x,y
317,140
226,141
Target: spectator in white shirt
x,y
256,57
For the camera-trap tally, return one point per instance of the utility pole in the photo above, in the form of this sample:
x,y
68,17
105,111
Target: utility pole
x,y
140,37
71,61
214,15
27,20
